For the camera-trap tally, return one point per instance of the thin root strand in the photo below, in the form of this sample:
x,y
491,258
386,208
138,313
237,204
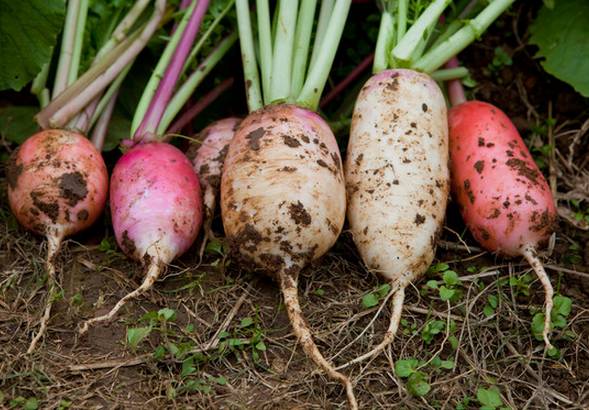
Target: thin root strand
x,y
530,254
153,273
289,289
397,308
53,245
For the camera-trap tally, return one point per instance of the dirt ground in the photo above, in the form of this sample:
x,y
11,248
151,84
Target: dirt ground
x,y
219,335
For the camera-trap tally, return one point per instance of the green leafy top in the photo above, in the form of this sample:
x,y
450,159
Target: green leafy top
x,y
28,32
561,35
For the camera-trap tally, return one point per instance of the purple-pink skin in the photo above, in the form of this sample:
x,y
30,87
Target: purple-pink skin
x,y
156,211
155,202
147,128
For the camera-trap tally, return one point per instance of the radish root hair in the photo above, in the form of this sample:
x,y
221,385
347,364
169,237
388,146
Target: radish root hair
x,y
151,276
53,245
289,287
529,252
397,308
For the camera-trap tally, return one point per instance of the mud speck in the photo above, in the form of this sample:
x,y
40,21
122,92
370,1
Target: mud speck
x,y
523,169
419,219
479,166
72,187
290,141
51,209
82,215
13,170
468,191
299,214
248,238
254,138
358,159
128,244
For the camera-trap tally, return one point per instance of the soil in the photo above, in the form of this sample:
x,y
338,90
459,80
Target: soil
x,y
243,354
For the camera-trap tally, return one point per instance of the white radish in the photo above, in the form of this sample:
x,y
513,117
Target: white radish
x,y
207,157
397,180
283,203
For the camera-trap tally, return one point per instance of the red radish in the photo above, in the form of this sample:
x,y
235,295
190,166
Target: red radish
x,y
503,197
57,179
282,190
155,197
57,186
208,163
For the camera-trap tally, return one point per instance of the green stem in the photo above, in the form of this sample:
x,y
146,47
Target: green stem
x,y
402,7
265,39
450,74
160,68
318,73
112,89
67,44
386,32
122,29
324,16
78,42
410,41
99,76
471,8
437,56
248,56
38,87
418,52
302,43
202,39
282,50
187,89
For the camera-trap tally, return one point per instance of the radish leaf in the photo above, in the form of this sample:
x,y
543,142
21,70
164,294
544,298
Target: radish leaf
x,y
561,35
28,33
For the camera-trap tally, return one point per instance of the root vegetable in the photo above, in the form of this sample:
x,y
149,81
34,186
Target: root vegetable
x,y
57,187
156,215
208,163
397,180
503,197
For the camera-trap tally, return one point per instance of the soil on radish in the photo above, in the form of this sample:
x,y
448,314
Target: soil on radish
x,y
277,375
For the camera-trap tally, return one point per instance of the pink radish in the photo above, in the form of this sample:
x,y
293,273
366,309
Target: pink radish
x,y
57,186
156,215
155,197
282,190
503,197
208,156
57,179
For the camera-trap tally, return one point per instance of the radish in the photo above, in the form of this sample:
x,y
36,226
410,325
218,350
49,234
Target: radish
x,y
57,180
397,176
503,197
208,163
282,189
155,194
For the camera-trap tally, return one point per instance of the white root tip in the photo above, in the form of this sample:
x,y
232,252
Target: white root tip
x,y
397,308
529,252
151,276
53,245
289,287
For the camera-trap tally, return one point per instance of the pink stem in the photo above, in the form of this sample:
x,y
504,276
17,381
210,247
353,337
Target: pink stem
x,y
197,108
455,89
355,73
155,112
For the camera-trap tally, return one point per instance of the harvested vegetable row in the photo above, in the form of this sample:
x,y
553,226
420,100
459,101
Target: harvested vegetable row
x,y
282,189
57,180
155,196
503,197
397,176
